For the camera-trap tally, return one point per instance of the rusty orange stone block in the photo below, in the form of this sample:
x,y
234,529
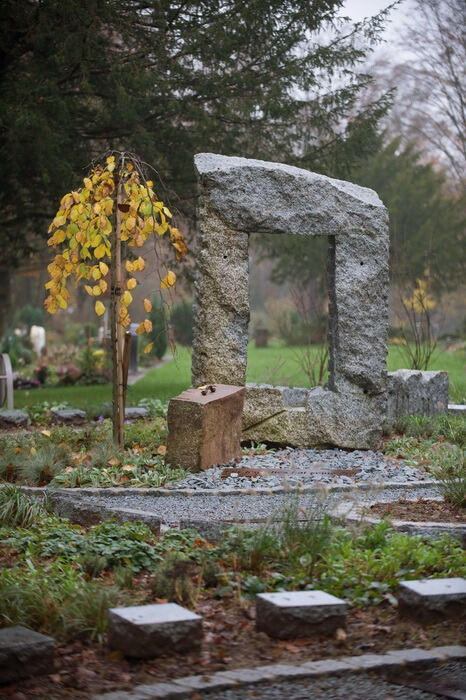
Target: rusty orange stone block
x,y
204,426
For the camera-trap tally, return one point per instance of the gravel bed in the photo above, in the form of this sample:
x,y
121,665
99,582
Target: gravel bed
x,y
352,687
291,468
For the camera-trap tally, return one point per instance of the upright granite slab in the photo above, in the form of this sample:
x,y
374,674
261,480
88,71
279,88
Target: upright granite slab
x,y
239,197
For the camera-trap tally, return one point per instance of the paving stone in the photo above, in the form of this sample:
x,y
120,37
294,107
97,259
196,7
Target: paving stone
x,y
417,657
368,662
161,690
146,631
428,600
330,666
284,671
24,653
13,419
293,614
453,651
72,416
136,413
205,682
248,675
204,429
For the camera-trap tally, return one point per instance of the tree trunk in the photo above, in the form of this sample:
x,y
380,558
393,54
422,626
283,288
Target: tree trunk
x,y
4,299
116,328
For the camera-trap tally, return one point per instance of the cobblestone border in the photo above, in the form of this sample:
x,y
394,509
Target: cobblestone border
x,y
397,659
318,487
358,513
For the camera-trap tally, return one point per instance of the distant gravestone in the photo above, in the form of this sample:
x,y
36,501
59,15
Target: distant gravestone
x,y
37,336
261,337
6,381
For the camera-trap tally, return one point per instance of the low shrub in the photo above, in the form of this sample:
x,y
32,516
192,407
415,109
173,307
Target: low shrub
x,y
55,599
17,509
182,322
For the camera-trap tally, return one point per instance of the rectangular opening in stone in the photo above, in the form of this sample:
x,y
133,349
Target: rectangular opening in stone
x,y
289,303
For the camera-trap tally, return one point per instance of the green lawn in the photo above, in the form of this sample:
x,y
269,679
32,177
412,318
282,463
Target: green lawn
x,y
273,365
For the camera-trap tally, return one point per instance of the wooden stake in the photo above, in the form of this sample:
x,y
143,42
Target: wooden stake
x,y
126,353
116,328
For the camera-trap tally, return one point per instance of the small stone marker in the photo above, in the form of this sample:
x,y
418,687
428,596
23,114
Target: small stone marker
x,y
136,413
428,600
299,613
204,426
145,631
24,653
13,419
70,416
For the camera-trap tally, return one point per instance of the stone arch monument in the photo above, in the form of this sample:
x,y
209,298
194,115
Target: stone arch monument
x,y
238,197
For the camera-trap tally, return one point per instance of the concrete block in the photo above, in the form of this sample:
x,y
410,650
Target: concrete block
x,y
204,428
24,653
13,419
293,614
458,409
429,600
146,631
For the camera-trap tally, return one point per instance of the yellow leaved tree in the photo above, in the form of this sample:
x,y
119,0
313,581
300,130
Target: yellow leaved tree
x,y
110,217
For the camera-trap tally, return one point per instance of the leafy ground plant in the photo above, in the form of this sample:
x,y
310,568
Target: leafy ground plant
x,y
17,509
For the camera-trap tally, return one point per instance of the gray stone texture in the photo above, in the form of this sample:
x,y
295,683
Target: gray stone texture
x,y
72,416
239,197
414,392
146,631
83,513
292,614
13,419
428,600
136,413
24,654
204,429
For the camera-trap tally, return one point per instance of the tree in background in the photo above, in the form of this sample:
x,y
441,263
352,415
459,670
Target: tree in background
x,y
168,79
430,105
427,225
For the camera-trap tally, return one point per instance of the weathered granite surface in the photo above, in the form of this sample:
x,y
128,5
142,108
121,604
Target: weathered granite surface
x,y
240,196
24,653
146,631
204,429
415,392
13,419
428,600
291,614
68,415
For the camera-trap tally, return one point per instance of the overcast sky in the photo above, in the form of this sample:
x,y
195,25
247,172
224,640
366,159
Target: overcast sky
x,y
358,9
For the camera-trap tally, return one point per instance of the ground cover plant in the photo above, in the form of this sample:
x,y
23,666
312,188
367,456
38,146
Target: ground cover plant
x,y
60,579
71,457
437,444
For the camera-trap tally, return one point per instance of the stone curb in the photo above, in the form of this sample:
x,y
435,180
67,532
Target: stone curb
x,y
161,492
358,514
392,660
